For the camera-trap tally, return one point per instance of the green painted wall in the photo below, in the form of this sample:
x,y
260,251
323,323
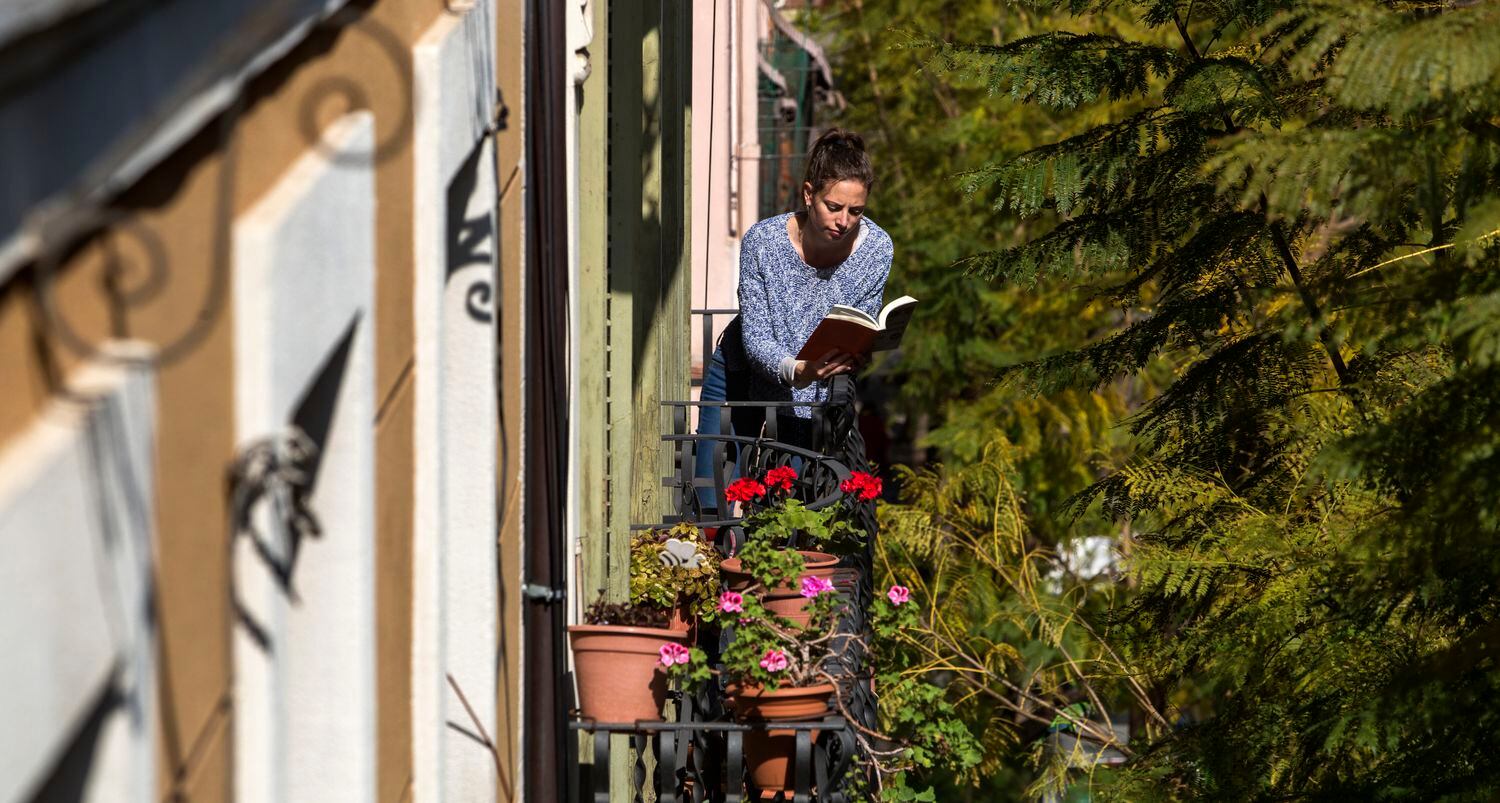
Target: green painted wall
x,y
634,251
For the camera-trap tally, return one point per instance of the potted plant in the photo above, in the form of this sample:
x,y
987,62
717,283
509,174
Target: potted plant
x,y
677,569
773,670
776,519
621,651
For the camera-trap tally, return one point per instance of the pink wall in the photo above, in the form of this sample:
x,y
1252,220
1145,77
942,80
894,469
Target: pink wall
x,y
726,36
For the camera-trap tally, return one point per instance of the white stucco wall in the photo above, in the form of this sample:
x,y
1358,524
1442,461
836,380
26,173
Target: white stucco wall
x,y
77,512
455,626
304,266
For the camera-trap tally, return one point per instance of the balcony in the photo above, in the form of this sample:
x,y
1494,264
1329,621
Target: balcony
x,y
699,754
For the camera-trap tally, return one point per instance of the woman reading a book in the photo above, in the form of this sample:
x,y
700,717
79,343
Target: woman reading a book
x,y
794,268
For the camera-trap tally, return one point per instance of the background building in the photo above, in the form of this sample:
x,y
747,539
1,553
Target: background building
x,y
764,84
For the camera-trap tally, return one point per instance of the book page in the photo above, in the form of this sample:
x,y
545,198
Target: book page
x,y
896,316
852,314
902,303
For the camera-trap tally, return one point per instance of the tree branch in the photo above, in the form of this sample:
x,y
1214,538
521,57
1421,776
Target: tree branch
x,y
1284,250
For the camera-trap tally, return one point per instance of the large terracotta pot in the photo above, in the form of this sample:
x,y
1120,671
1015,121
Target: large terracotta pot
x,y
620,678
771,755
784,600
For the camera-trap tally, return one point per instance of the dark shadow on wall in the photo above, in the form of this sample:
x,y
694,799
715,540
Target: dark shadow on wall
x,y
129,284
135,269
471,240
319,401
293,465
69,778
314,416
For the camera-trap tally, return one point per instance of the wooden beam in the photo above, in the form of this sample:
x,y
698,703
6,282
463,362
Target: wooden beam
x,y
592,493
644,348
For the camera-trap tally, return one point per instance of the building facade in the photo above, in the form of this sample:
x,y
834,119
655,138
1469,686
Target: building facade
x,y
334,336
261,305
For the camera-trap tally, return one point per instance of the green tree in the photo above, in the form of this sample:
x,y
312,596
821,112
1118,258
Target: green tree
x,y
926,127
973,649
999,636
1303,200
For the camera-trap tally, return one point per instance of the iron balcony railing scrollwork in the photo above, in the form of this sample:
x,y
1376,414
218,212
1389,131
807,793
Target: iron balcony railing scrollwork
x,y
699,756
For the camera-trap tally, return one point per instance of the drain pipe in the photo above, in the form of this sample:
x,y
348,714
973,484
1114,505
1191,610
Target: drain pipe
x,y
545,396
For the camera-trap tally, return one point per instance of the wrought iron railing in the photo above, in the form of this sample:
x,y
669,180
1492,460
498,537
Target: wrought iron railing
x,y
699,755
703,761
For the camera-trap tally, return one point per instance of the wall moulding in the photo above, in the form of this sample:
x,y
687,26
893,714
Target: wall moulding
x,y
303,551
77,523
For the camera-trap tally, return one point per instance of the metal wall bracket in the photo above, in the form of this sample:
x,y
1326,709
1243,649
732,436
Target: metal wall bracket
x,y
546,595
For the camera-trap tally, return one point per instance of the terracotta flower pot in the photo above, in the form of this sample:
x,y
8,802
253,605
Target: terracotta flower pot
x,y
620,677
770,755
684,620
784,600
735,578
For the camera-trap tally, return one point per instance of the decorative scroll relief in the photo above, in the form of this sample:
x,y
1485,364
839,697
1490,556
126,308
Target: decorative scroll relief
x,y
77,517
455,583
303,548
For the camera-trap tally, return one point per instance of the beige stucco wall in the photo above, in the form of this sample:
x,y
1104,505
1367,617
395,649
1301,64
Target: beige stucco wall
x,y
177,205
509,78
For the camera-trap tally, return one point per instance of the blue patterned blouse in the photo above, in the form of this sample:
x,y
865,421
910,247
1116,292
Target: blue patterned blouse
x,y
782,299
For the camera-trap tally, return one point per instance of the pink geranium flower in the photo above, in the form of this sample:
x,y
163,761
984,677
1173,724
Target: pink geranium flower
x,y
774,661
673,653
731,602
813,585
898,595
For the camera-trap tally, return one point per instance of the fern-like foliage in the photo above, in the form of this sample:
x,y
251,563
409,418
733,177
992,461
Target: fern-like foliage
x,y
1095,67
993,614
1293,205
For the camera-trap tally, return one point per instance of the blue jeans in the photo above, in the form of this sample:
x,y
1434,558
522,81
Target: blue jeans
x,y
715,388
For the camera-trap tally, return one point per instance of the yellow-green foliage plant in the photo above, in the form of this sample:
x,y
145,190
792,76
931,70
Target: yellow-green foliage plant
x,y
979,621
687,577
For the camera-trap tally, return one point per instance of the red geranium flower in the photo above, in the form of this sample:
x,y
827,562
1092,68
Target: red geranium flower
x,y
744,489
865,486
781,477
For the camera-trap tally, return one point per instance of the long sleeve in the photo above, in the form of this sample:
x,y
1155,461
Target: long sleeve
x,y
869,293
782,300
761,346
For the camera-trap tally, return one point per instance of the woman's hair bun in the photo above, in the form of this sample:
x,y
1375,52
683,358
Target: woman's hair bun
x,y
838,155
839,136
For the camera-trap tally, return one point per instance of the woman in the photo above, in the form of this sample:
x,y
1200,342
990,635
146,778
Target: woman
x,y
793,268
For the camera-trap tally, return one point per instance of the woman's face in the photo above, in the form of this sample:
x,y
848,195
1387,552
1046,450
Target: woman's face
x,y
834,212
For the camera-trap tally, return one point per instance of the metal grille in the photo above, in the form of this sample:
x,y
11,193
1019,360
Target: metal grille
x,y
696,761
786,97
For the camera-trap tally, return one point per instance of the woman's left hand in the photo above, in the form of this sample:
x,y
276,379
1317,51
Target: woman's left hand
x,y
829,365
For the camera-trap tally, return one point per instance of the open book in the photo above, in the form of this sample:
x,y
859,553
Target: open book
x,y
851,330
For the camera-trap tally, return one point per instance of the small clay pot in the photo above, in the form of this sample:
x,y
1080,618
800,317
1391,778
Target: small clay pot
x,y
619,672
684,620
784,600
735,578
770,755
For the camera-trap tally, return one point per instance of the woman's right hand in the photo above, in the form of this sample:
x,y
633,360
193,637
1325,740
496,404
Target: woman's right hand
x,y
829,365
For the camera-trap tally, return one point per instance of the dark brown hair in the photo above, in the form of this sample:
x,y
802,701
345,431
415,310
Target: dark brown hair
x,y
838,155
